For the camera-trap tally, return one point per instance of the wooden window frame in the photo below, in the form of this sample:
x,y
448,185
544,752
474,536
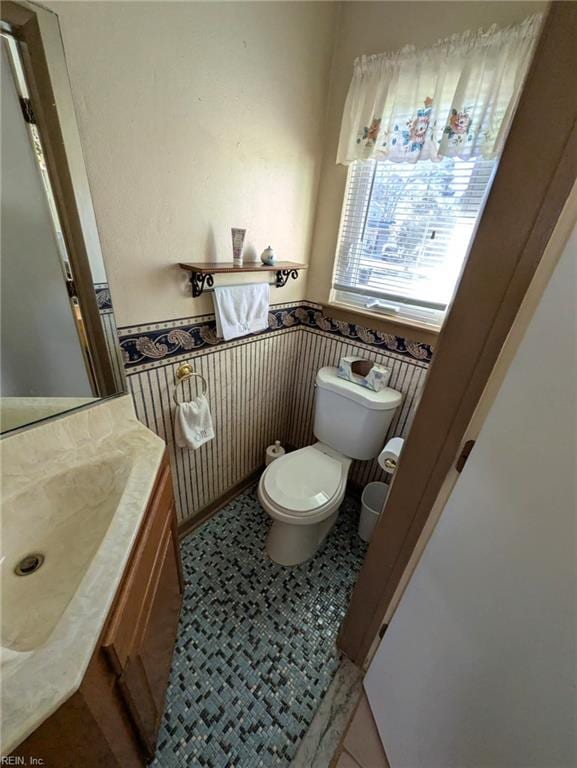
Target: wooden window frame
x,y
412,331
535,176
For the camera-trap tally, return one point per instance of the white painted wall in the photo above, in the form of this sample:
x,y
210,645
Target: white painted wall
x,y
41,352
196,117
478,666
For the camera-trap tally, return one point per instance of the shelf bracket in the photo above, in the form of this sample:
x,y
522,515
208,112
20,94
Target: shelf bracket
x,y
283,275
202,281
198,280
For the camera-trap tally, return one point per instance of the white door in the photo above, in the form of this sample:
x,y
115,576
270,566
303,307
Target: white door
x,y
479,664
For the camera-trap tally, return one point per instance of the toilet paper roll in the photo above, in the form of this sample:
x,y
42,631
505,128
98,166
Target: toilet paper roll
x,y
273,452
389,456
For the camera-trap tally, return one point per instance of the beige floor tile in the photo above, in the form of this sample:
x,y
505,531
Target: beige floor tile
x,y
362,738
346,761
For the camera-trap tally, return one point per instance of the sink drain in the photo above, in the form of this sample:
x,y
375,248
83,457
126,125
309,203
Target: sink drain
x,y
29,564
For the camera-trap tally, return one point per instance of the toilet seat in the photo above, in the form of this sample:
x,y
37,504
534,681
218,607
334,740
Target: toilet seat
x,y
304,486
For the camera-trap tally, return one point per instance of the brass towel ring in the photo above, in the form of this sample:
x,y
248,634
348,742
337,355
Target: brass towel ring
x,y
183,373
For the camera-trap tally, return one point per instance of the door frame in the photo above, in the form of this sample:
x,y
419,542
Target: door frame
x,y
28,24
536,173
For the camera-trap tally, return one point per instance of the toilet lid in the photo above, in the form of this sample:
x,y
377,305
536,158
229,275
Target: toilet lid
x,y
303,480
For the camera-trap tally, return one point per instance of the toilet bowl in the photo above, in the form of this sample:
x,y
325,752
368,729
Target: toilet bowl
x,y
302,492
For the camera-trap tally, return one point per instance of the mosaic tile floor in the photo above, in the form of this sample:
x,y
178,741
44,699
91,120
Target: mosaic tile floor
x,y
255,651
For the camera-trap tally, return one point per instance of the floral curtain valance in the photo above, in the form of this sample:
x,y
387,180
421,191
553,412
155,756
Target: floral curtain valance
x,y
455,99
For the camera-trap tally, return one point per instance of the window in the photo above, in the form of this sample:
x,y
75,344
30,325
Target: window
x,y
405,232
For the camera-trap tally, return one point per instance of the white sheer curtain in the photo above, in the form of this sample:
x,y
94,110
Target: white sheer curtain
x,y
455,99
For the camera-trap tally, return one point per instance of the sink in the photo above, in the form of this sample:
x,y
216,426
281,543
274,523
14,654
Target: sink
x,y
64,519
74,492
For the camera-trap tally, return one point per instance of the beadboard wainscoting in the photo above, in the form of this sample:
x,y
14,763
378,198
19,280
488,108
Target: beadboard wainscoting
x,y
260,389
317,349
249,386
110,337
104,304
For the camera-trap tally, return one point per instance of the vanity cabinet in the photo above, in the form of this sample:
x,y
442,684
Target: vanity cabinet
x,y
114,717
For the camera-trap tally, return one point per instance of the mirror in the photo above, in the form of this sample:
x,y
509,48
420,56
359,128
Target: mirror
x,y
59,348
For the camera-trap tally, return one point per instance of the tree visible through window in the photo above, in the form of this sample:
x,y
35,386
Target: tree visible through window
x,y
405,232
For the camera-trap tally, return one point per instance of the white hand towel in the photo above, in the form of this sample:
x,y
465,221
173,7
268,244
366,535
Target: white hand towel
x,y
241,309
193,423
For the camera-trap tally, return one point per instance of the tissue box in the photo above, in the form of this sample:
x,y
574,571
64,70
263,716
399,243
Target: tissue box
x,y
363,372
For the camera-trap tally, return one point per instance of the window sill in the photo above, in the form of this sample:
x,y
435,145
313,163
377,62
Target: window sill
x,y
407,329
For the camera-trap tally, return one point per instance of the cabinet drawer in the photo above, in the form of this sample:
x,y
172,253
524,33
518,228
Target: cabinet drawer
x,y
140,580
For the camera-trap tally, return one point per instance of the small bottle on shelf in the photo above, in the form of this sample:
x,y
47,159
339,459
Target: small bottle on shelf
x,y
237,244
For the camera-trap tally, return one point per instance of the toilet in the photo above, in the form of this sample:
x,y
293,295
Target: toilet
x,y
303,490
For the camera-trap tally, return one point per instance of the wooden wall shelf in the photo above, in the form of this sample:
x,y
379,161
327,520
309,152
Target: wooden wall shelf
x,y
202,273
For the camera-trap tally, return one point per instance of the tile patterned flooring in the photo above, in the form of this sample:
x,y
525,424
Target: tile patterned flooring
x,y
255,651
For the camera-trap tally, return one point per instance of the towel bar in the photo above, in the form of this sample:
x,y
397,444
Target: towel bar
x,y
185,372
202,274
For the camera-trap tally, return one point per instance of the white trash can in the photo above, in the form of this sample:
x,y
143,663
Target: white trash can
x,y
372,503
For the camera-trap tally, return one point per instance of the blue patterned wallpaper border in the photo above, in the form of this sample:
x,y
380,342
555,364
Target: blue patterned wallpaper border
x,y
156,344
103,299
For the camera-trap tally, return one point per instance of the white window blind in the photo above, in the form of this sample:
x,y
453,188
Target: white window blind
x,y
405,231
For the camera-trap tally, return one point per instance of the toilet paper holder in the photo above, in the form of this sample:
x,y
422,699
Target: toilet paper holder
x,y
388,458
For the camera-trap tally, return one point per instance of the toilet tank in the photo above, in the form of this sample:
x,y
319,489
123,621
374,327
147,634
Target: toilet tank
x,y
350,418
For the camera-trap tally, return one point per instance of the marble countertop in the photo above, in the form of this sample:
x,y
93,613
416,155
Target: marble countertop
x,y
17,412
37,680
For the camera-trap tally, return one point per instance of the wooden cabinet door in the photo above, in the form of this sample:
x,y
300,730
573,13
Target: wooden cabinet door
x,y
139,640
144,679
